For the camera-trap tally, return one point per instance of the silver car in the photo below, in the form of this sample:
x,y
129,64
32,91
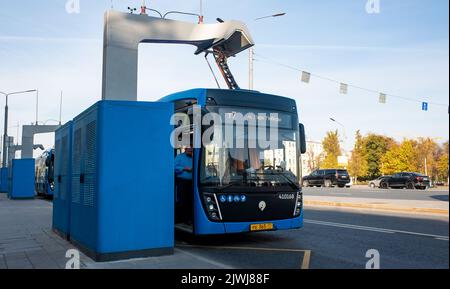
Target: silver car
x,y
376,183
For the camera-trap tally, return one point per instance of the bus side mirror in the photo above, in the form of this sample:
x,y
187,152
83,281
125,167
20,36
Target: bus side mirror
x,y
302,139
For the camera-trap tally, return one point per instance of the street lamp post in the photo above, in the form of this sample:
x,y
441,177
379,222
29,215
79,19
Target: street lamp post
x,y
343,127
5,133
37,106
251,53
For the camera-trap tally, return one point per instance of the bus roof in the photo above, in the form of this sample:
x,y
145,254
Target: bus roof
x,y
227,97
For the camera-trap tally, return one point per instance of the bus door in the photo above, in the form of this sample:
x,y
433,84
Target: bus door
x,y
184,185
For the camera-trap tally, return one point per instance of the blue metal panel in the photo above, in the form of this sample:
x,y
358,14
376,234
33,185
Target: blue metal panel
x,y
136,173
83,213
63,180
22,179
125,201
4,180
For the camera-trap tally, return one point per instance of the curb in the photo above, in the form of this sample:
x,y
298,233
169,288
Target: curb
x,y
377,207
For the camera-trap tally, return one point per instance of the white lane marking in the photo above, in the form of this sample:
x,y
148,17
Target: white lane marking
x,y
381,230
442,239
349,226
207,260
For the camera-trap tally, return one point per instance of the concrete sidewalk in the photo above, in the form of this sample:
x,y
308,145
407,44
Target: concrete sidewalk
x,y
27,242
405,206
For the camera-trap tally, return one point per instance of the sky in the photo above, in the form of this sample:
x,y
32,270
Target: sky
x,y
403,50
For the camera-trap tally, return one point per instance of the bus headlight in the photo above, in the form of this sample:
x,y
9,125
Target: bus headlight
x,y
212,206
298,204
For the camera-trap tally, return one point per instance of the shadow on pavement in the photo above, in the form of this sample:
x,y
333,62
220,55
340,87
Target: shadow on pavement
x,y
230,240
443,198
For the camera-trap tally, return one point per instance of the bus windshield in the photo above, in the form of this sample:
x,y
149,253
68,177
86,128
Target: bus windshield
x,y
248,164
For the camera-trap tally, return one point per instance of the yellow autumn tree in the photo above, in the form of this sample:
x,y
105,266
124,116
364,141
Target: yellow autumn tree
x,y
442,164
358,162
400,158
332,149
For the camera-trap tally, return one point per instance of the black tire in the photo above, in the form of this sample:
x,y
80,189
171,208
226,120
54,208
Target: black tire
x,y
384,185
410,186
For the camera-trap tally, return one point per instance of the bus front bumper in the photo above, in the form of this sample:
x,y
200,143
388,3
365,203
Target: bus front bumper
x,y
244,227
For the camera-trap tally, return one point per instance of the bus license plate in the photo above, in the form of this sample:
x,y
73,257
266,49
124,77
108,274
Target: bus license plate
x,y
261,227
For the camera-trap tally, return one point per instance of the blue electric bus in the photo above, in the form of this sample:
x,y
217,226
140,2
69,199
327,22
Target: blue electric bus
x,y
44,174
242,189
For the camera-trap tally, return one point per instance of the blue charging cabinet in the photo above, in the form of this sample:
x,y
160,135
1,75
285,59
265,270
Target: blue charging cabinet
x,y
4,180
122,203
21,179
63,181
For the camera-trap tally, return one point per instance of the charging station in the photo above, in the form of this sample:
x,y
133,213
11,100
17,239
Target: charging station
x,y
4,180
122,194
21,179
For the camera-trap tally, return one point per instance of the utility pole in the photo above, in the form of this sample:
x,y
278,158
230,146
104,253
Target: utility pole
x,y
37,106
251,59
143,8
5,132
201,18
5,136
60,107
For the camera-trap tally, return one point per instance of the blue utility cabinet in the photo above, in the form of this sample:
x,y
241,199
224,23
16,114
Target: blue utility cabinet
x,y
4,180
123,180
63,180
21,179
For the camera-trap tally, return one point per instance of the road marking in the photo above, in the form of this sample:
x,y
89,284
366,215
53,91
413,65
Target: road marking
x,y
348,226
442,239
305,261
374,229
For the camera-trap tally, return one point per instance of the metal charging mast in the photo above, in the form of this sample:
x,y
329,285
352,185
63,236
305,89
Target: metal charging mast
x,y
124,32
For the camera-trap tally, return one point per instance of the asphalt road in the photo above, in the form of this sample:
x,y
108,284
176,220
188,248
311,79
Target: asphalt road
x,y
366,192
331,239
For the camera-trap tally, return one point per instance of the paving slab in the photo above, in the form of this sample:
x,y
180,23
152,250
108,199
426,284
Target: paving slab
x,y
28,242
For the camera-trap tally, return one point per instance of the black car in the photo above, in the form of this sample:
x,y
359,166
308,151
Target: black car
x,y
327,178
409,181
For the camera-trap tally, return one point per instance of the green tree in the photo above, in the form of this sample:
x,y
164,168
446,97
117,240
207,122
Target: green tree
x,y
375,147
400,158
358,161
332,149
